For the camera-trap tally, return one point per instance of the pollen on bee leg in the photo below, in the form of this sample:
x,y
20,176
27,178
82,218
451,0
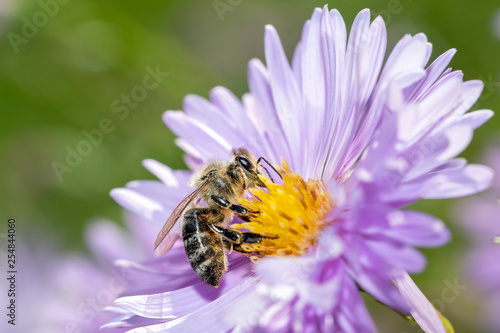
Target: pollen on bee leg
x,y
293,211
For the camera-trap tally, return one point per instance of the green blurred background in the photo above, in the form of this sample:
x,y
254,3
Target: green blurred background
x,y
63,79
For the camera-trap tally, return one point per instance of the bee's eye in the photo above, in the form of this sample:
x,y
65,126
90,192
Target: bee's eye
x,y
245,163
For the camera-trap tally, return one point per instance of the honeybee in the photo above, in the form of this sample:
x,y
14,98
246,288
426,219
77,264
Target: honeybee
x,y
204,231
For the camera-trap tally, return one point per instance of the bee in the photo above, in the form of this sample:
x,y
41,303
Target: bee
x,y
204,232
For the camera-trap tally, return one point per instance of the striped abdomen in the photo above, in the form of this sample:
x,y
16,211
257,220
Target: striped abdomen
x,y
203,247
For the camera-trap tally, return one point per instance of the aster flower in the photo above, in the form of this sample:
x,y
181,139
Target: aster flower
x,y
68,292
357,139
480,220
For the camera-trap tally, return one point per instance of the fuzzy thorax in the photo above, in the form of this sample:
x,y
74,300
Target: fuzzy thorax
x,y
293,211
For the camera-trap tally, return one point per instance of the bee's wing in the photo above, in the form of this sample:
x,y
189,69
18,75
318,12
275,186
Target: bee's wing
x,y
167,240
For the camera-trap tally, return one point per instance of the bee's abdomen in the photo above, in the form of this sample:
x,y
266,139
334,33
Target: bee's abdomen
x,y
203,247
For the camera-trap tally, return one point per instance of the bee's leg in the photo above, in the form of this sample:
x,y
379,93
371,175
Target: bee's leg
x,y
239,210
245,218
230,246
238,238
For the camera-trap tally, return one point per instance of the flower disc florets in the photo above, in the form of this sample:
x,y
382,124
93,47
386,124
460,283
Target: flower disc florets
x,y
293,211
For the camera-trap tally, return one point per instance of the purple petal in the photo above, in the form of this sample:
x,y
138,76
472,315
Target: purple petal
x,y
420,308
333,40
143,230
365,53
140,204
470,93
430,110
165,174
157,191
438,183
471,179
313,88
193,157
208,316
286,94
352,315
181,302
129,321
417,229
408,54
433,72
208,142
398,255
205,112
260,87
373,275
482,266
226,101
475,119
476,216
109,242
429,154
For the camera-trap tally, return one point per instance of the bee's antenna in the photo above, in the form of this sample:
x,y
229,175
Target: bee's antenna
x,y
272,167
263,167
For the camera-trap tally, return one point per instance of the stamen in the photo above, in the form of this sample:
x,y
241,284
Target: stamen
x,y
293,211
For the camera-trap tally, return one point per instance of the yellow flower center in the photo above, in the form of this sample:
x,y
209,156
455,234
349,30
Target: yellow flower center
x,y
293,211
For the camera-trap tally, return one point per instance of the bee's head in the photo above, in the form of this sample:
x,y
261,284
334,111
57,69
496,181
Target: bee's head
x,y
244,159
